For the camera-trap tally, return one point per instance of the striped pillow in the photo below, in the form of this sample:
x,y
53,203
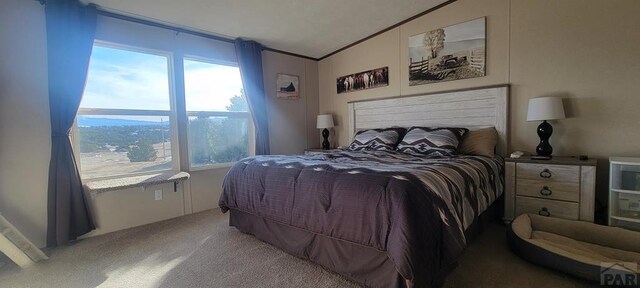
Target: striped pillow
x,y
377,139
432,141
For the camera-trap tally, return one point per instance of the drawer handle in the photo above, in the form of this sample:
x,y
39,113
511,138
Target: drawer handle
x,y
544,212
545,173
545,191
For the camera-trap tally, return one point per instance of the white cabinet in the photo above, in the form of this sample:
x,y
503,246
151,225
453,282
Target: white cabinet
x,y
624,192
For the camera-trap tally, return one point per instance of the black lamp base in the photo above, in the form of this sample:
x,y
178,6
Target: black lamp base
x,y
544,149
325,135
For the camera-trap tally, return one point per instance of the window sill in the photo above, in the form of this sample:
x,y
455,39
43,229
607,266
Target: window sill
x,y
212,166
99,186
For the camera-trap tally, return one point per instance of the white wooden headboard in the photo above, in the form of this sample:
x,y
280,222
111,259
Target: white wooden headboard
x,y
472,109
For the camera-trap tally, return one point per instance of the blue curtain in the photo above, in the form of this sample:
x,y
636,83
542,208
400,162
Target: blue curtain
x,y
249,54
70,35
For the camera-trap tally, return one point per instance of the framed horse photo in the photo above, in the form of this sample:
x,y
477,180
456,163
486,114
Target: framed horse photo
x,y
364,80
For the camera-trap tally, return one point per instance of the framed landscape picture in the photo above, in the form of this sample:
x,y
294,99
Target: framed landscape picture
x,y
450,53
287,87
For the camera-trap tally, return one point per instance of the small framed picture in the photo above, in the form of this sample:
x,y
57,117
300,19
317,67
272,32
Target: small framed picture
x,y
287,87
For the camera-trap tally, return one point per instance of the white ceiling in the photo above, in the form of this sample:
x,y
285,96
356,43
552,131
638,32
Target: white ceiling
x,y
312,28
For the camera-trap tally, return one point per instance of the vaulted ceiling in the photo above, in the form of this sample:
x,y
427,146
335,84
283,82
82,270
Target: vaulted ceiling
x,y
312,28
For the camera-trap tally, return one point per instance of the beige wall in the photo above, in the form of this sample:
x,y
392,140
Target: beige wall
x,y
291,122
24,118
390,49
583,50
379,51
120,209
25,132
205,188
586,52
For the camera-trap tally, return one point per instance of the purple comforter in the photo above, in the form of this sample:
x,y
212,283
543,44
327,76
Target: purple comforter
x,y
412,208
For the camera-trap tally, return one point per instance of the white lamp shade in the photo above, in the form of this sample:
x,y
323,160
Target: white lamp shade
x,y
324,121
545,108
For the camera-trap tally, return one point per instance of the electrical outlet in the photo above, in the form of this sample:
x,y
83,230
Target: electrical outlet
x,y
158,194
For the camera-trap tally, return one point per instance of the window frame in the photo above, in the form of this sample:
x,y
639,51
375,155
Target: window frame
x,y
171,114
233,114
180,154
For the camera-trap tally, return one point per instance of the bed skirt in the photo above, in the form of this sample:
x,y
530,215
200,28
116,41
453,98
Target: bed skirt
x,y
359,263
362,264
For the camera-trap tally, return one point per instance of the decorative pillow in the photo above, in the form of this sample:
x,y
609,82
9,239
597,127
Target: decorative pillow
x,y
480,142
377,139
432,141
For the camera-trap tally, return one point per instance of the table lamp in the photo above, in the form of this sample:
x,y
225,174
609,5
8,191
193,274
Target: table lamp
x,y
325,121
543,109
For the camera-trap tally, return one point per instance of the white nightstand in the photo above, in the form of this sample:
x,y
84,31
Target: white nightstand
x,y
562,187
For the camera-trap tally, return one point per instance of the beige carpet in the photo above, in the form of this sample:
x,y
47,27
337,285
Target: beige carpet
x,y
201,250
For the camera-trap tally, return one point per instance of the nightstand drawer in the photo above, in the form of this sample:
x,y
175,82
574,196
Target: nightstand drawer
x,y
563,186
551,173
566,191
553,208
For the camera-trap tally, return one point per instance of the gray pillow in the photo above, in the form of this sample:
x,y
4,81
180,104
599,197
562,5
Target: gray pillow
x,y
377,139
432,141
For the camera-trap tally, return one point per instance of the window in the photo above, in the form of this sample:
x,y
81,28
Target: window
x,y
219,120
128,117
124,120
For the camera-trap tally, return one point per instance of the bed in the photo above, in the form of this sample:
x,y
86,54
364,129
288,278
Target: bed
x,y
380,218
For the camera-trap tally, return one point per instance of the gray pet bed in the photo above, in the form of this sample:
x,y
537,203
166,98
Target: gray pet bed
x,y
575,247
